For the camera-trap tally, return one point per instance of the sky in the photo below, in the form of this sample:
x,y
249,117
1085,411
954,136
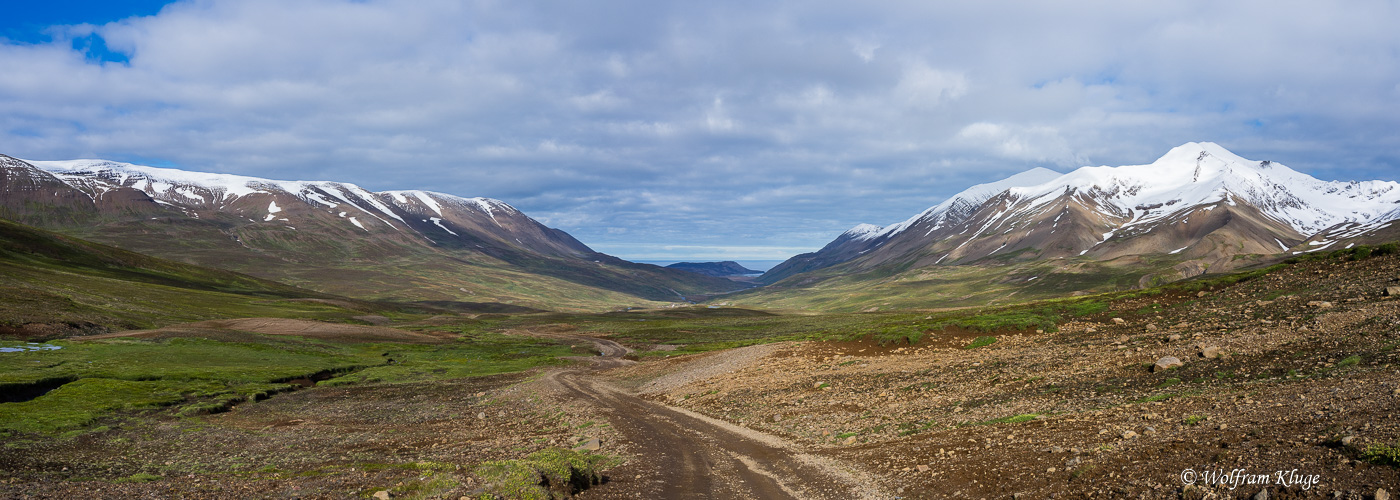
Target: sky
x,y
716,130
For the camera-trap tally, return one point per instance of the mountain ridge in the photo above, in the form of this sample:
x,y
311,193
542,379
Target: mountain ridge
x,y
334,237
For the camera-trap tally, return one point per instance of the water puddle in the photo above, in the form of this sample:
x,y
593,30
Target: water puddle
x,y
30,347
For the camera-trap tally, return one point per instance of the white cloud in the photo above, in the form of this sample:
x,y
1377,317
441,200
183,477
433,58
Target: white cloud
x,y
780,124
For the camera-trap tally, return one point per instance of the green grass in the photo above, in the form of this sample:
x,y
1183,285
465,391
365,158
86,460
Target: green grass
x,y
981,342
1193,419
115,377
1349,361
1013,419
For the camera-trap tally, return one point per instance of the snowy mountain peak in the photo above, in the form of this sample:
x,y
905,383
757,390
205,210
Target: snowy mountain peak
x,y
863,232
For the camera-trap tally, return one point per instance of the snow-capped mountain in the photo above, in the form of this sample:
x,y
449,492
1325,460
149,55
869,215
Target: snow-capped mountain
x,y
271,228
1198,203
437,217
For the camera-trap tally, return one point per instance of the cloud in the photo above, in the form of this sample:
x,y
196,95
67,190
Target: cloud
x,y
761,125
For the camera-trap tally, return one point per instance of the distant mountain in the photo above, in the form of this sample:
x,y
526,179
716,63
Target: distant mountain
x,y
726,268
1198,208
334,236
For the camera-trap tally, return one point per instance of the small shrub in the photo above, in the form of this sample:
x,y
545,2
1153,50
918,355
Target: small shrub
x,y
1349,361
1361,252
1382,454
1193,419
1387,249
1169,382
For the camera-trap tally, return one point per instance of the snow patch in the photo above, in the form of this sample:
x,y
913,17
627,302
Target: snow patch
x,y
439,224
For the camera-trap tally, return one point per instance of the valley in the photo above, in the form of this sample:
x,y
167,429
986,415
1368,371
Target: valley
x,y
172,334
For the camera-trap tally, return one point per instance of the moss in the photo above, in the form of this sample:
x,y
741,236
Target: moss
x,y
545,474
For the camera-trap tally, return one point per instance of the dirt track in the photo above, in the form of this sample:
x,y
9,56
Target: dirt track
x,y
681,454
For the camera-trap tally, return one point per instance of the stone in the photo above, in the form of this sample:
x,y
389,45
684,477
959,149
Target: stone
x,y
1173,337
1201,293
1262,495
1381,494
1320,304
481,416
383,495
777,418
1392,291
1210,352
922,468
1347,440
1166,363
1119,321
1395,392
1151,327
849,441
593,444
1090,330
1130,435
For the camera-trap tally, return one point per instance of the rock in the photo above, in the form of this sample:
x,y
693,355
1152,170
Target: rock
x,y
1090,330
1395,392
1381,494
1347,440
1119,321
1173,337
1130,435
1151,327
1210,352
1392,291
1262,495
481,416
849,441
1166,363
1201,293
777,418
1320,304
922,468
383,495
593,444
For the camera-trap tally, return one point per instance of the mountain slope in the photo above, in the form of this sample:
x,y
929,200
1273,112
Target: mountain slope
x,y
1199,208
336,237
55,285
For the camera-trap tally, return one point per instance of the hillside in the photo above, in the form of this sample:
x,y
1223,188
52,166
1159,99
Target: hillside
x,y
53,285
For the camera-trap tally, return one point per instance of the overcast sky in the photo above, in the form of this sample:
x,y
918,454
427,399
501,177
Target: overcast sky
x,y
698,130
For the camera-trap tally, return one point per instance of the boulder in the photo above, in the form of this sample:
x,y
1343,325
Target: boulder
x,y
592,444
382,495
1119,321
1166,363
1210,352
